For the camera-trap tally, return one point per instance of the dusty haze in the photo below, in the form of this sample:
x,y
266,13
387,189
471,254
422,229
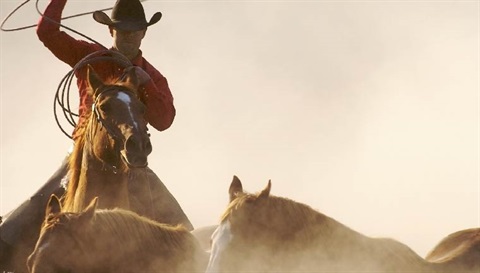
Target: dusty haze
x,y
368,111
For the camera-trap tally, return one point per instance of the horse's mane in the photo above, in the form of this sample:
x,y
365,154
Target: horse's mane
x,y
296,216
75,163
127,226
289,208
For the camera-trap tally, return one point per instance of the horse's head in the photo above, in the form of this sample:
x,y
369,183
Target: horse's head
x,y
257,230
243,226
58,248
120,129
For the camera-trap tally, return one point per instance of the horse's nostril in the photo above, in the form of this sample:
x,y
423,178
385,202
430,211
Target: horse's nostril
x,y
134,143
131,144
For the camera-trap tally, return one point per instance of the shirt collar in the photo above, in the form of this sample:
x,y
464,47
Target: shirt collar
x,y
137,60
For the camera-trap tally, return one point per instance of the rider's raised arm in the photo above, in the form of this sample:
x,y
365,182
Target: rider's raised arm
x,y
62,45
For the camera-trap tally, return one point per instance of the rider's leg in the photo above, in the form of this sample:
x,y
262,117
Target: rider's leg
x,y
154,200
20,228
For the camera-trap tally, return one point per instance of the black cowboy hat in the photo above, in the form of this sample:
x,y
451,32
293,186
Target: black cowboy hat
x,y
127,15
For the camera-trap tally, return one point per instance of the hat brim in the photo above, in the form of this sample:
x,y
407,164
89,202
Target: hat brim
x,y
103,18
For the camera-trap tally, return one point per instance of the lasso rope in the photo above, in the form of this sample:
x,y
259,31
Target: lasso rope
x,y
62,95
49,19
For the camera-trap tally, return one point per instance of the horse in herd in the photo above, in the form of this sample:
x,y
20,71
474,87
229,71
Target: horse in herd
x,y
265,233
114,240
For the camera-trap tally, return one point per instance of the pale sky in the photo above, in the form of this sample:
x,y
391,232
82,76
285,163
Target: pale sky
x,y
367,111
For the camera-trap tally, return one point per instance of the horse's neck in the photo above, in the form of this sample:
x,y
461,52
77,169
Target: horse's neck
x,y
97,178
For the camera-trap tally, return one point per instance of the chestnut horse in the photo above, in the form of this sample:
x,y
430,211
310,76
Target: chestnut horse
x,y
265,233
116,240
113,139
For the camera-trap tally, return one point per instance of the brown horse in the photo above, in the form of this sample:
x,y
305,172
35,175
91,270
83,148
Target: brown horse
x,y
114,241
265,233
458,252
114,139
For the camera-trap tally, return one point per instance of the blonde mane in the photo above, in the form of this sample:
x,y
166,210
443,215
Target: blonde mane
x,y
293,217
290,209
129,226
75,163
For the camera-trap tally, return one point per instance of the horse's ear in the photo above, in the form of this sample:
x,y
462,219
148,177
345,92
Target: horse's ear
x,y
89,211
53,206
266,192
94,81
235,188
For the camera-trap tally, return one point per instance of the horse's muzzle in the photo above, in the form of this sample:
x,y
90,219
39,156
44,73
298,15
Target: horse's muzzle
x,y
136,151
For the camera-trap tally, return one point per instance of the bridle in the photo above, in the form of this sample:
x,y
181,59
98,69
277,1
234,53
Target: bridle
x,y
100,119
117,139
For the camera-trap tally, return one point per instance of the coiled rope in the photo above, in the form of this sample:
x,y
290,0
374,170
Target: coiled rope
x,y
49,19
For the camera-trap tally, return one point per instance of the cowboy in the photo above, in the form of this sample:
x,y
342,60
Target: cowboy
x,y
127,26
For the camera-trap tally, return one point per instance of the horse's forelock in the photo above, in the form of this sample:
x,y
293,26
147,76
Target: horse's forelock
x,y
240,198
57,219
125,86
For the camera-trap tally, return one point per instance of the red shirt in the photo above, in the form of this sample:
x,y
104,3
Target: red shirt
x,y
155,94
